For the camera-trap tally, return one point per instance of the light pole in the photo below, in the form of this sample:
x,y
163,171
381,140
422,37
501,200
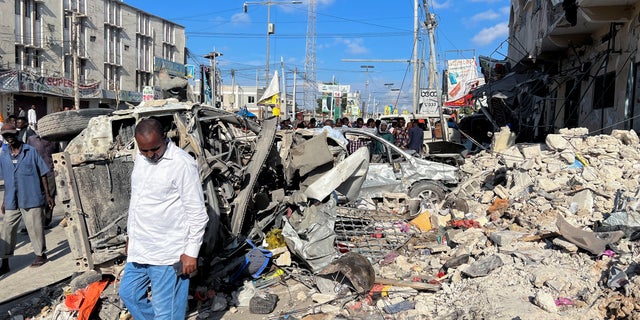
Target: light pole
x,y
366,88
271,28
212,60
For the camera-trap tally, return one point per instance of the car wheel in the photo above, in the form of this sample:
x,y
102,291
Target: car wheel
x,y
430,194
64,125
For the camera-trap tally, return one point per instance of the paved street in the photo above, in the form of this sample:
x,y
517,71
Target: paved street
x,y
23,279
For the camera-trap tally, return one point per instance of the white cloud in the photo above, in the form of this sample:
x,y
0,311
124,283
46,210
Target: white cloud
x,y
485,15
488,35
354,46
443,5
487,1
351,46
240,18
505,10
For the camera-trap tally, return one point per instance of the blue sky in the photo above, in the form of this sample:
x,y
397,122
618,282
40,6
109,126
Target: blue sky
x,y
346,29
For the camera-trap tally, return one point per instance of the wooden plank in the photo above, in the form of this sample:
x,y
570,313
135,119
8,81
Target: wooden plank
x,y
409,284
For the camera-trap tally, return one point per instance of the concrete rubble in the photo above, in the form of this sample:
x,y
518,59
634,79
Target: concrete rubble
x,y
551,232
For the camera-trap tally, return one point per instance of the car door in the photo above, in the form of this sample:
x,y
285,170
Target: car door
x,y
385,170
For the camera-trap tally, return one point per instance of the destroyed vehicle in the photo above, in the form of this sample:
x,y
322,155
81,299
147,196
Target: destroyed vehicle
x,y
392,169
93,176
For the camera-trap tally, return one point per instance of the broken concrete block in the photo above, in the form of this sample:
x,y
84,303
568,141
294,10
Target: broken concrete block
x,y
583,200
469,238
487,196
530,151
557,142
483,266
568,156
512,157
501,191
575,132
547,185
628,137
589,174
545,301
502,139
565,245
506,237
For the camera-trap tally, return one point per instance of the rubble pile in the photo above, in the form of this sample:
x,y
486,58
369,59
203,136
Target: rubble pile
x,y
532,231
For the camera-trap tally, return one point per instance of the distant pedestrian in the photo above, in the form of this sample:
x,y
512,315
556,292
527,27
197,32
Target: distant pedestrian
x,y
359,123
416,138
21,112
165,226
371,123
345,122
401,134
383,132
24,132
24,173
312,123
32,118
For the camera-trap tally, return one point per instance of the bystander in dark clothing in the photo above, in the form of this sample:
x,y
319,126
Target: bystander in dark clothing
x,y
416,138
383,132
45,149
24,132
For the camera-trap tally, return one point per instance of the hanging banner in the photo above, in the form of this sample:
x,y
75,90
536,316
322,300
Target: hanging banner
x,y
462,73
56,86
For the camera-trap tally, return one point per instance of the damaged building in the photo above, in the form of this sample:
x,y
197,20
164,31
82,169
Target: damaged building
x,y
570,63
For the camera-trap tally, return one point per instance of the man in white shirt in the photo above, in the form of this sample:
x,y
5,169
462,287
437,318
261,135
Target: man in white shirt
x,y
166,223
32,118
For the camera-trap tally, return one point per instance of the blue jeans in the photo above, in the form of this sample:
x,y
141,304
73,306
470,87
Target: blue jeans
x,y
169,292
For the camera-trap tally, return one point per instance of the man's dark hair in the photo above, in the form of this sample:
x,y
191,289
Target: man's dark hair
x,y
22,118
149,125
13,116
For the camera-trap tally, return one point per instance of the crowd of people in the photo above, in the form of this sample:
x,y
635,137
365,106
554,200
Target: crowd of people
x,y
404,135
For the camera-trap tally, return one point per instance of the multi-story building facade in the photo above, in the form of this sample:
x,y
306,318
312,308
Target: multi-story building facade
x,y
581,63
120,50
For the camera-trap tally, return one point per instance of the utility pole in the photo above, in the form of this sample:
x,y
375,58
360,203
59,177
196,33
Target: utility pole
x,y
212,60
293,105
416,65
284,91
430,23
366,90
74,51
233,88
271,28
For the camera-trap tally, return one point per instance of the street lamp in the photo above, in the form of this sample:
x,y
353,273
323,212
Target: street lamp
x,y
366,87
271,28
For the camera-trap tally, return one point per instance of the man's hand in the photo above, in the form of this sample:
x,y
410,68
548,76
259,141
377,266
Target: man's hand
x,y
50,201
189,264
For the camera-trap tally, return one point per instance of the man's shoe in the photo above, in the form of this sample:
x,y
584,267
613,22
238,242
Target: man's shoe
x,y
40,260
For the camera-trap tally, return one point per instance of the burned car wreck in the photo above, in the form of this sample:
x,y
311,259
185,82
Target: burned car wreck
x,y
307,188
93,172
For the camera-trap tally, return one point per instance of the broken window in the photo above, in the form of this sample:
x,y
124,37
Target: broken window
x,y
604,90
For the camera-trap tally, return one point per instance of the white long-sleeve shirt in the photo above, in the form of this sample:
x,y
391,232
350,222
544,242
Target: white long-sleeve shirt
x,y
32,118
167,215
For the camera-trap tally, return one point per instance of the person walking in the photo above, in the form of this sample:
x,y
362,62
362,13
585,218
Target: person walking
x,y
25,178
166,224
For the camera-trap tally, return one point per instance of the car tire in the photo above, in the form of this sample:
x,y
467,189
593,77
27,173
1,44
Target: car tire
x,y
431,193
64,125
